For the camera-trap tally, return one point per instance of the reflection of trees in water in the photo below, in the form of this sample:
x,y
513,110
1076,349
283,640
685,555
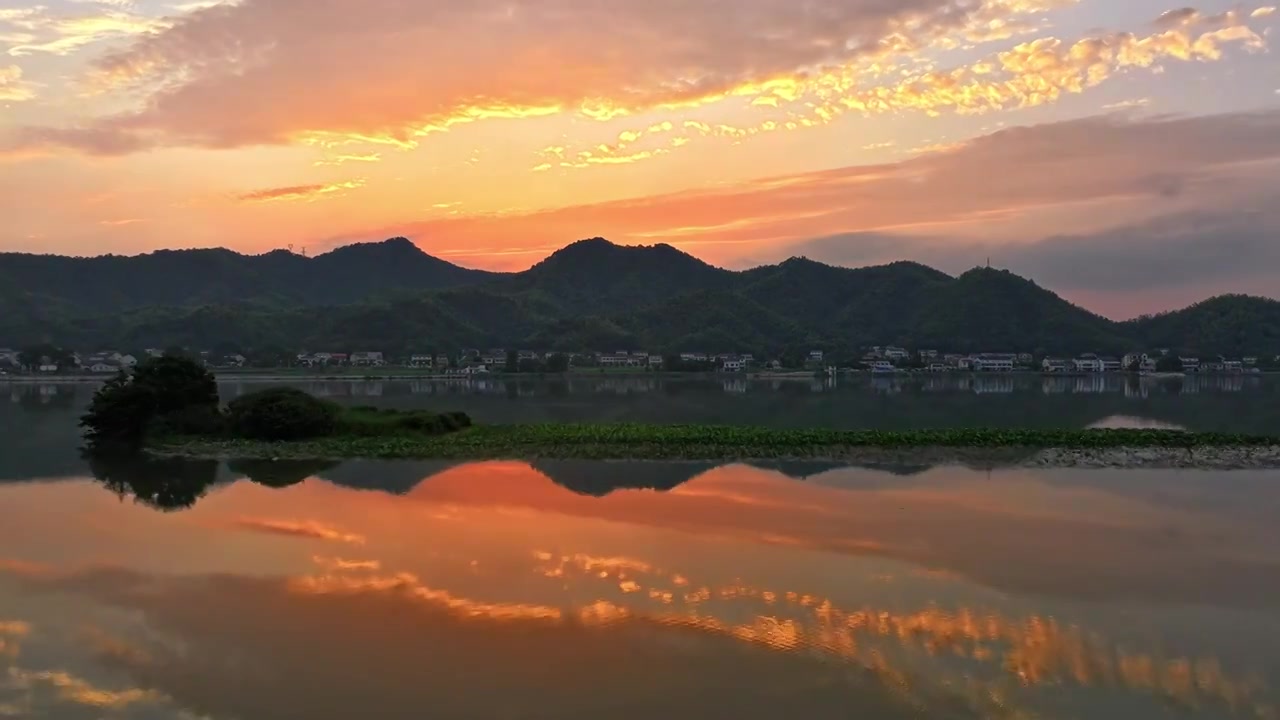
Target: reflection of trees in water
x,y
162,483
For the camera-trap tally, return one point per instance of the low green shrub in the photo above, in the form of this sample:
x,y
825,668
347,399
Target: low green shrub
x,y
281,414
373,422
193,420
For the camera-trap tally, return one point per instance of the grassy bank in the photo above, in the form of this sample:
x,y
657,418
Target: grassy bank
x,y
692,442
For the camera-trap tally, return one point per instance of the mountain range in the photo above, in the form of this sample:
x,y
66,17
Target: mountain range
x,y
590,295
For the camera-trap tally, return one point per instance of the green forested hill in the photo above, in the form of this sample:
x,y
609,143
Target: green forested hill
x,y
591,295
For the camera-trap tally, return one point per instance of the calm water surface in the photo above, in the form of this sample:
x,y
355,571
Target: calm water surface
x,y
627,590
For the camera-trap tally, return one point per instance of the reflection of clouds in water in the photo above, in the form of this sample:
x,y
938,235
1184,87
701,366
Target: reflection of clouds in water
x,y
1012,652
1133,422
932,658
26,692
300,528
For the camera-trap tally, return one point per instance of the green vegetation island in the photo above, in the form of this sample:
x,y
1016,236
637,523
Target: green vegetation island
x,y
169,406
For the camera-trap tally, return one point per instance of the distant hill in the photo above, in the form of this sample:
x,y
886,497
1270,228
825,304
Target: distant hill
x,y
191,278
590,295
1234,325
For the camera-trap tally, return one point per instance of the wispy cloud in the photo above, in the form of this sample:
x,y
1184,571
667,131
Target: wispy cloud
x,y
41,30
339,564
300,528
344,159
301,193
12,87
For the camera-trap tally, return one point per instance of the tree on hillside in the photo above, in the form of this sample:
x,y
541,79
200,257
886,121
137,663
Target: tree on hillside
x,y
1169,363
513,361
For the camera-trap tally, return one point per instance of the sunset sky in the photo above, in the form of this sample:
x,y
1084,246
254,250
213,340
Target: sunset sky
x,y
1125,153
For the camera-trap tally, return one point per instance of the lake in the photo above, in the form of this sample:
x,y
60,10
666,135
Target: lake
x,y
578,589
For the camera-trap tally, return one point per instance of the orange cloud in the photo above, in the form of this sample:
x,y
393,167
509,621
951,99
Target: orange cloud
x,y
215,77
302,529
339,564
1034,73
302,193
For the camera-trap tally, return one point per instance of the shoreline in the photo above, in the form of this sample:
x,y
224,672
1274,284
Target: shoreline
x,y
267,376
1137,458
1151,449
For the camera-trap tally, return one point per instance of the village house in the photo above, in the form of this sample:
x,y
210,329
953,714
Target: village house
x,y
1250,361
734,365
1233,366
655,361
1054,365
994,363
1190,364
1026,357
367,358
816,356
938,367
896,353
1110,364
468,371
624,359
1139,358
103,366
1088,363
693,357
422,361
928,355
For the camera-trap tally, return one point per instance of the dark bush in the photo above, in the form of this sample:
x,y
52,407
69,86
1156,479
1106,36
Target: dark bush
x,y
281,414
196,420
129,405
459,419
177,383
432,423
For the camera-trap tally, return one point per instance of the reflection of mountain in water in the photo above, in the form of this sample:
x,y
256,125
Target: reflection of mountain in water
x,y
391,476
588,477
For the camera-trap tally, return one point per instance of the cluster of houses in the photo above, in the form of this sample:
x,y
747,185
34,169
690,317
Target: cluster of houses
x,y
1145,362
472,361
103,361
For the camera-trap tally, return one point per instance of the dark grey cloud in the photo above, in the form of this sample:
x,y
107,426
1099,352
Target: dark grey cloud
x,y
1235,249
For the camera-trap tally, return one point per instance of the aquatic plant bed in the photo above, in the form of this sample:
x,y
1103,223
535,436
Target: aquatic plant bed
x,y
1060,448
